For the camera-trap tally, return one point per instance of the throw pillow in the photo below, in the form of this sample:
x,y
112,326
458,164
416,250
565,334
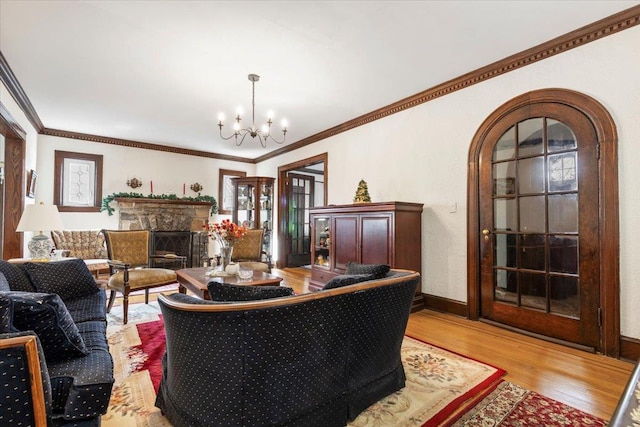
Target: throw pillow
x,y
347,279
227,292
71,279
18,279
4,283
47,316
6,314
378,270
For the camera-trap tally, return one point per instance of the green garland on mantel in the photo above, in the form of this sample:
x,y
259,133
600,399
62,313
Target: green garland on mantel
x,y
106,201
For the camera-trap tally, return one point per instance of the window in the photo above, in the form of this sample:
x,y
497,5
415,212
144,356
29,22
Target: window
x,y
77,182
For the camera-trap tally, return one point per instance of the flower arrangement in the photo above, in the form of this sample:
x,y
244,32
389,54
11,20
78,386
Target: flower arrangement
x,y
225,232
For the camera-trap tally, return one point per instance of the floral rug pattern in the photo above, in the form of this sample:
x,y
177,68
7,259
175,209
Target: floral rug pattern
x,y
439,382
510,405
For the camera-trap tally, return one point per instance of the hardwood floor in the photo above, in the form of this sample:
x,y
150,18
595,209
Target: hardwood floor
x,y
590,382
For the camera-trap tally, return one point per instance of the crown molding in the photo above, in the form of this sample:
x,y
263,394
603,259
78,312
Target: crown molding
x,y
141,145
605,27
15,89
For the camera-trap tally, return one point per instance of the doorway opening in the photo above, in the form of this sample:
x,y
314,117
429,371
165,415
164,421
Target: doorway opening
x,y
301,186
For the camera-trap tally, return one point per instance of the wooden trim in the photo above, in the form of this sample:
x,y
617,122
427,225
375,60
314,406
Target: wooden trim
x,y
445,305
290,300
14,183
283,203
610,25
615,23
630,349
58,181
609,204
17,92
140,145
167,201
35,377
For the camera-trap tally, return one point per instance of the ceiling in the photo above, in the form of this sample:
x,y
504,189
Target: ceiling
x,y
160,72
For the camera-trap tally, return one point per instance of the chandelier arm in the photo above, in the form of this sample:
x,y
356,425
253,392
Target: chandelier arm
x,y
244,135
276,141
228,137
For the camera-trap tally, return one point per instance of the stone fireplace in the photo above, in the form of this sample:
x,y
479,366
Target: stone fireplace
x,y
175,225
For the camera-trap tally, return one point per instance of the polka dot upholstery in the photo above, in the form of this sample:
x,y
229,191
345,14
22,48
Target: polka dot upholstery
x,y
229,292
77,389
307,360
48,317
378,270
4,283
17,277
15,394
71,279
347,279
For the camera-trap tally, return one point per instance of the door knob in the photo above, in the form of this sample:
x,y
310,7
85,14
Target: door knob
x,y
486,233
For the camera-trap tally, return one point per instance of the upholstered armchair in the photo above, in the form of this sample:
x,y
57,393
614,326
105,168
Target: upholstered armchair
x,y
85,244
129,264
248,252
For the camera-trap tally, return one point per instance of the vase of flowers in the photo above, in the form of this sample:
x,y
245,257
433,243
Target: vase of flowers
x,y
226,233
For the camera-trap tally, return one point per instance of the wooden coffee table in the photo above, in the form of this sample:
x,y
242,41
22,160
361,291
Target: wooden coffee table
x,y
195,280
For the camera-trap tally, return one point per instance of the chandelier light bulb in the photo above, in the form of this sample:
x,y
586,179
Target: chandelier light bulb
x,y
284,124
263,133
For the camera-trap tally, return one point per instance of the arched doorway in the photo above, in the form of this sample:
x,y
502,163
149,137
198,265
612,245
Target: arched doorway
x,y
541,257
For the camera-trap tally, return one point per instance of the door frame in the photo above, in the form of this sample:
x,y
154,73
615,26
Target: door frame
x,y
14,183
283,203
609,236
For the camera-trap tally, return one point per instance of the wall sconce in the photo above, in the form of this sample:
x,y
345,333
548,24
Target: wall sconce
x,y
196,187
134,183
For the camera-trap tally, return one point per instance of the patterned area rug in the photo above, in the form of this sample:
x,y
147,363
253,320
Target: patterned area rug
x,y
510,405
439,383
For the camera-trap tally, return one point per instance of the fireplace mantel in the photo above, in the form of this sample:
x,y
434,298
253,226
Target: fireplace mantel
x,y
160,201
137,213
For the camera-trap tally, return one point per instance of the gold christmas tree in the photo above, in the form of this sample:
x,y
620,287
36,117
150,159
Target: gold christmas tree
x,y
362,193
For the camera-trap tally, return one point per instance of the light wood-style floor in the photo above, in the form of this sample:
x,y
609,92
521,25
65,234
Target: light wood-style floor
x,y
590,382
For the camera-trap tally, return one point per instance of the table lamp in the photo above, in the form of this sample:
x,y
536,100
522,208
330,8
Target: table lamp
x,y
39,218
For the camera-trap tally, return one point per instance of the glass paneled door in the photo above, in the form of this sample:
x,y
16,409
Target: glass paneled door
x,y
539,222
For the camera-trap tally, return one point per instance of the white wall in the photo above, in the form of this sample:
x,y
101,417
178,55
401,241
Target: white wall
x,y
418,155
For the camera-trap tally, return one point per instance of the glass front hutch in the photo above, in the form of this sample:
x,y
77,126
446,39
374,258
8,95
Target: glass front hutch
x,y
253,205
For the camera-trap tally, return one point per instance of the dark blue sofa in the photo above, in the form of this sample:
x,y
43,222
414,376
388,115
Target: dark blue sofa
x,y
74,386
315,359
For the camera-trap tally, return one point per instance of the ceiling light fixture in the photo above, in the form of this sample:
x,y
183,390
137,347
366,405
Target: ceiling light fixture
x,y
263,133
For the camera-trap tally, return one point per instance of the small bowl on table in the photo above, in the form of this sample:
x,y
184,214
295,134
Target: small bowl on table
x,y
245,274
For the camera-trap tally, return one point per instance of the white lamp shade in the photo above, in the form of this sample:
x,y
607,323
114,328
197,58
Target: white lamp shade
x,y
40,217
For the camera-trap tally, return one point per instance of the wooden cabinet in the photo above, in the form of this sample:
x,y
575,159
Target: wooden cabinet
x,y
368,233
253,205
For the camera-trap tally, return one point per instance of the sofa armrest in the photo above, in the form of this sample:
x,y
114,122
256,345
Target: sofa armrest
x,y
22,360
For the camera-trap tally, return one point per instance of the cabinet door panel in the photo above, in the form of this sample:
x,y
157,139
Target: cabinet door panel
x,y
375,239
345,241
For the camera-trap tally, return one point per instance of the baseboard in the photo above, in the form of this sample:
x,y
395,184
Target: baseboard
x,y
630,349
445,305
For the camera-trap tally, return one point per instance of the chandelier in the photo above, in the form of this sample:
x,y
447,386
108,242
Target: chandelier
x,y
263,133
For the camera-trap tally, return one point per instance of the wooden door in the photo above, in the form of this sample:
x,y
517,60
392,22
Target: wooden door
x,y
345,240
539,244
375,239
300,200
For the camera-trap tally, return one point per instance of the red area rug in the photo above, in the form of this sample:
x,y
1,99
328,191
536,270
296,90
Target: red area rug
x,y
152,337
510,405
442,388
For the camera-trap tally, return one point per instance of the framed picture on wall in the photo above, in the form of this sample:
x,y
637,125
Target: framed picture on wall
x,y
225,193
77,182
32,181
